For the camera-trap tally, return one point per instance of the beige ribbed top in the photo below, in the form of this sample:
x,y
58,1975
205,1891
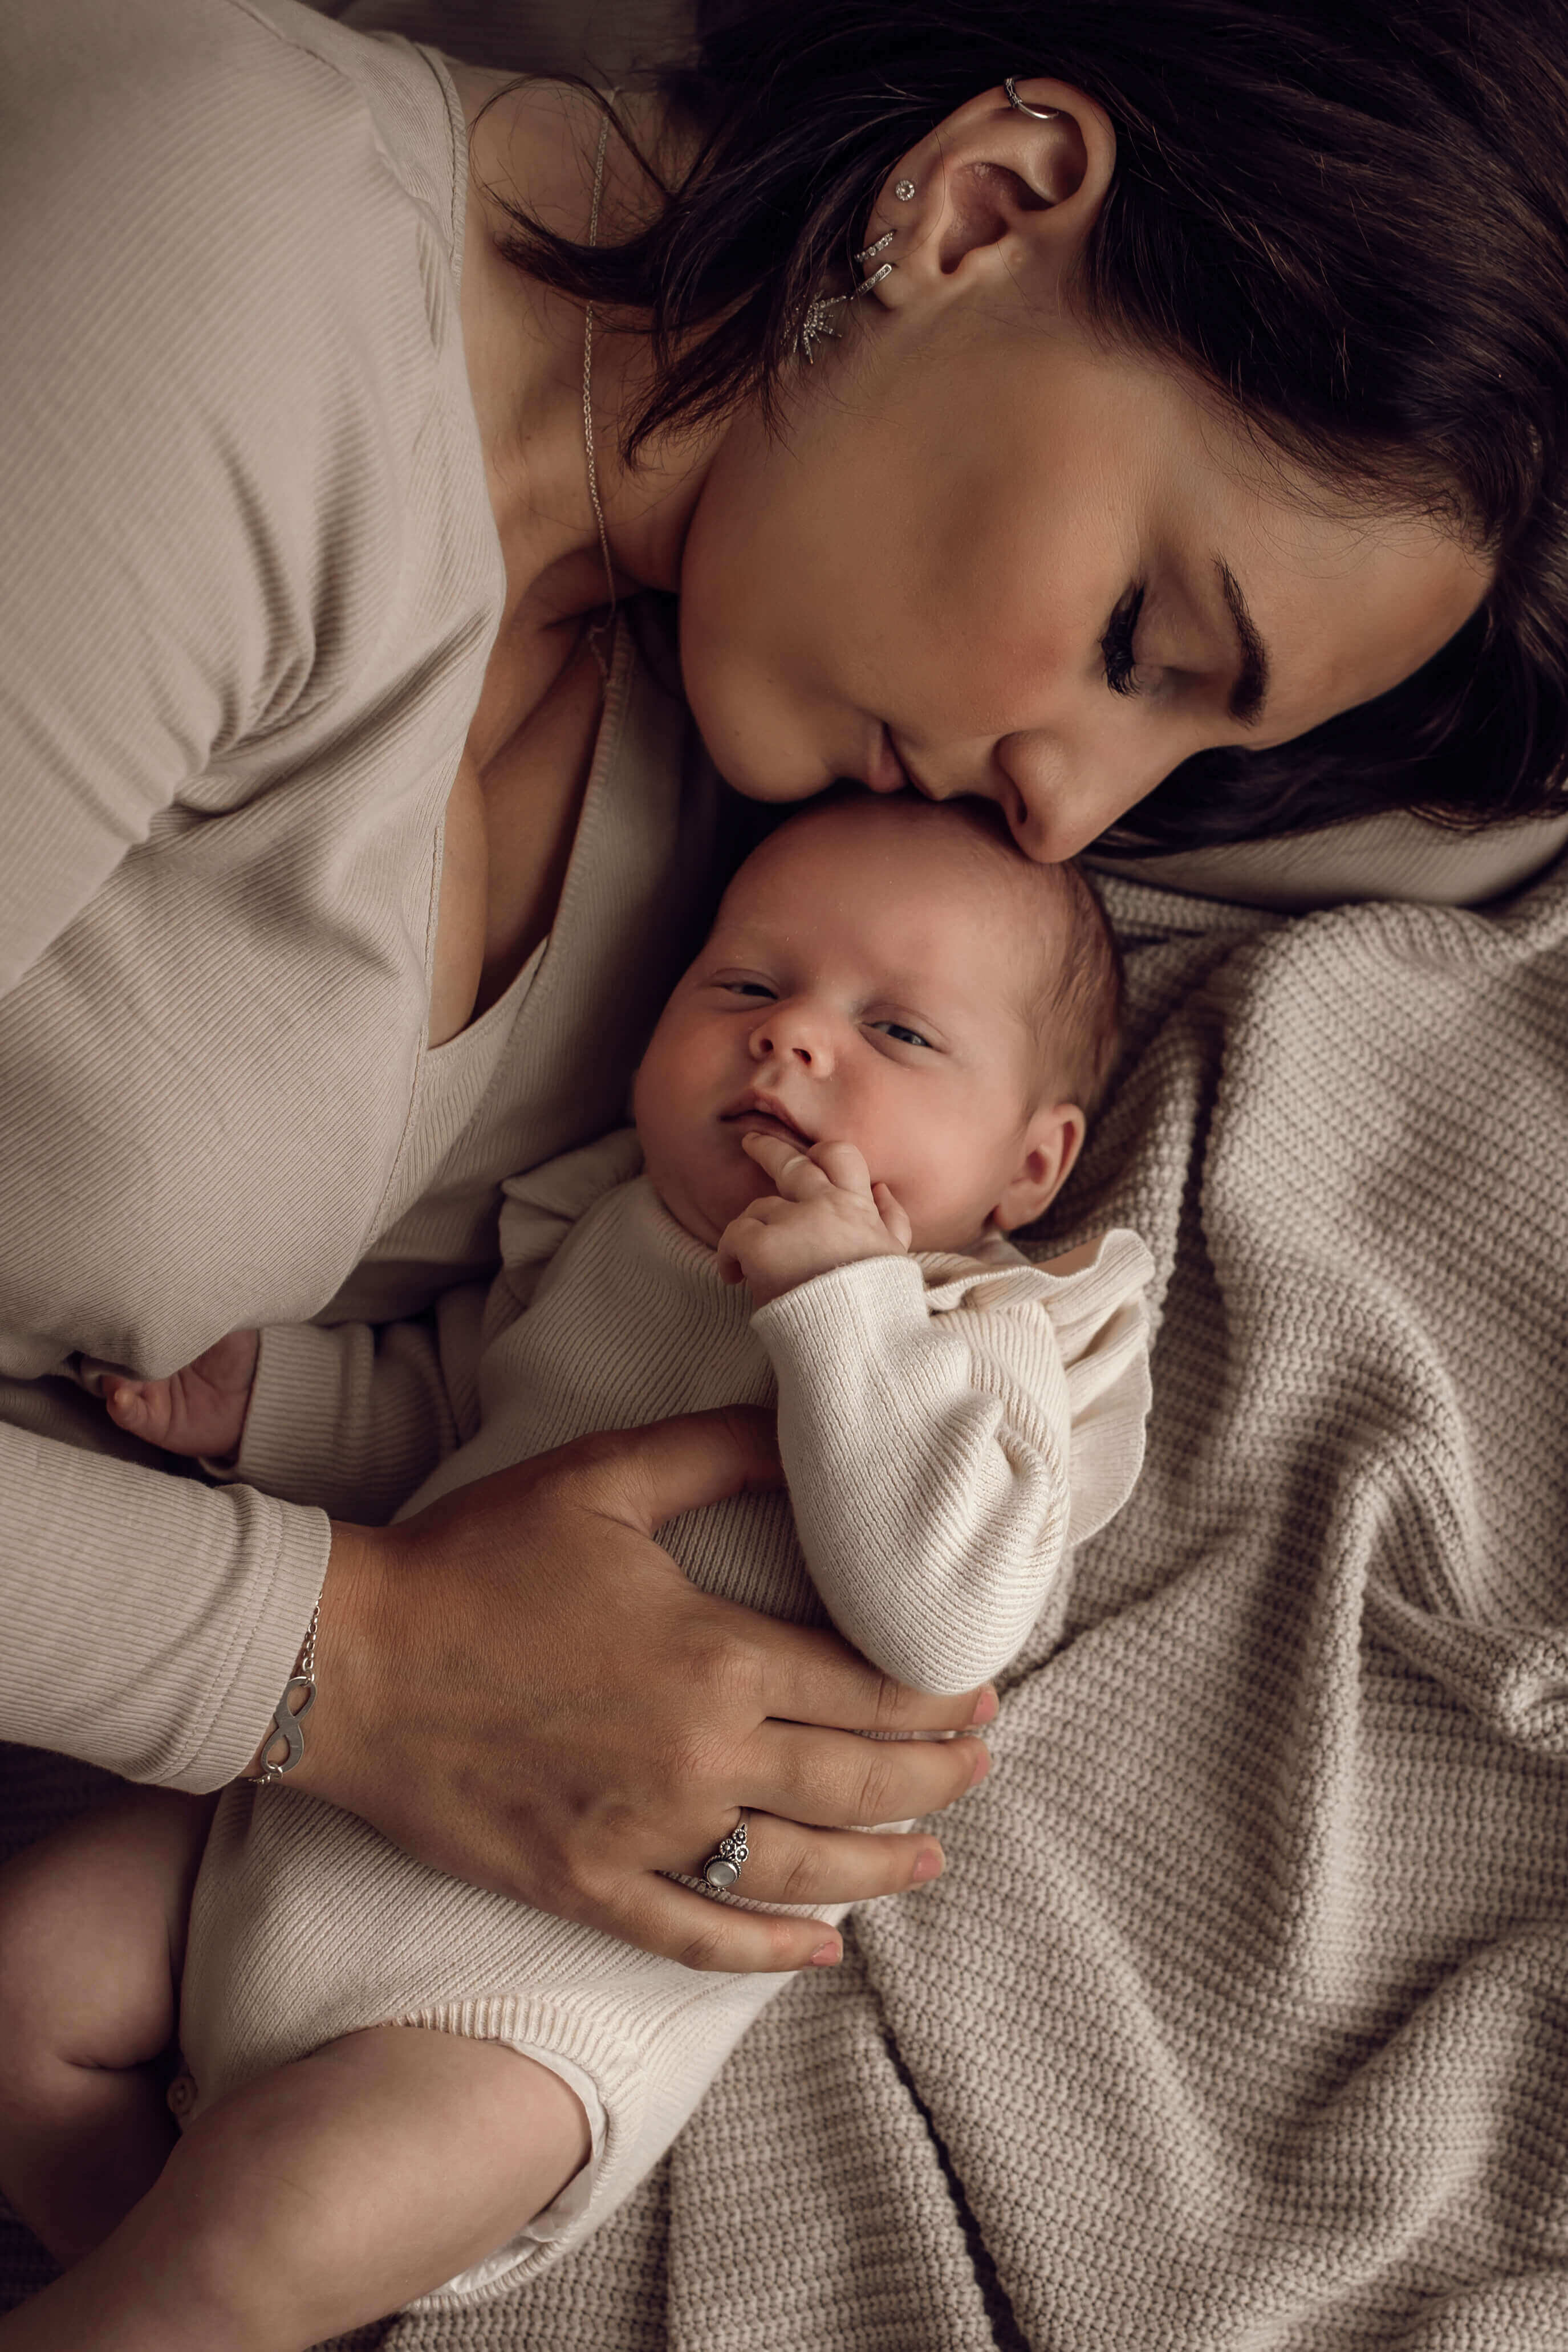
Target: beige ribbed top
x,y
251,584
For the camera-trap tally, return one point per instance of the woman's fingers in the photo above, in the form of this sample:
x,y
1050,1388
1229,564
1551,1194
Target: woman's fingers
x,y
810,1674
666,1918
838,1779
788,1864
645,1477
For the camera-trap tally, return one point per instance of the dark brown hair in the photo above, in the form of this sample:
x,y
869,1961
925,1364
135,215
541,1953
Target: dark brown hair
x,y
1350,218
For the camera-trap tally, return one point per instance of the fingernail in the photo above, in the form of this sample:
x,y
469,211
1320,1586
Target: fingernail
x,y
985,1705
928,1865
982,1766
825,1956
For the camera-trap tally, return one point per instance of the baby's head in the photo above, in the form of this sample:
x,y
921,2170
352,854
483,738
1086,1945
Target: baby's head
x,y
894,974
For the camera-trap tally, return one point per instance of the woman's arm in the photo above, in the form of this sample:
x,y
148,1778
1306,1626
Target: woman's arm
x,y
150,1621
518,1685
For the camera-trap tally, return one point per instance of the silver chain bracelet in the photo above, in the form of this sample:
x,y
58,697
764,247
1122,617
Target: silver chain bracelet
x,y
286,1723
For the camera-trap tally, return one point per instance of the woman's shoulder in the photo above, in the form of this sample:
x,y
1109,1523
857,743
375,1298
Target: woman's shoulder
x,y
230,320
212,149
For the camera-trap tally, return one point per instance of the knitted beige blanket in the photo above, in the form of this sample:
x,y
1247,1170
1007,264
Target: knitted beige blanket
x,y
1239,2023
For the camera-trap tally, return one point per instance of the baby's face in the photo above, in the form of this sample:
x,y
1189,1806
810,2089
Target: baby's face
x,y
862,984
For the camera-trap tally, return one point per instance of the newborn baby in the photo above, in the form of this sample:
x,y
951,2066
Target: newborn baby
x,y
881,1064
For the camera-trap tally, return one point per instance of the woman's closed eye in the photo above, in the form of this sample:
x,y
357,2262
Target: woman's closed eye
x,y
1116,648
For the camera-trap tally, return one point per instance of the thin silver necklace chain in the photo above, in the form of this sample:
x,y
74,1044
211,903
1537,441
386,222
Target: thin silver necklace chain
x,y
602,629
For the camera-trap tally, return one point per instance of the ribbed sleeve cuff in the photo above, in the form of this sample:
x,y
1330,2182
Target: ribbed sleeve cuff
x,y
291,1442
151,1621
814,1324
302,1542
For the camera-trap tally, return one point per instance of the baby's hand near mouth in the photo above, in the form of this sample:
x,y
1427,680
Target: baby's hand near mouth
x,y
199,1410
826,1212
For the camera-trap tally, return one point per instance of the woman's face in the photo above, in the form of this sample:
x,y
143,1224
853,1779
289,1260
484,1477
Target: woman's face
x,y
991,556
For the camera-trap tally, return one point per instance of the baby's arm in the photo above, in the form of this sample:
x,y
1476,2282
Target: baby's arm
x,y
199,1410
946,1445
349,1417
353,1416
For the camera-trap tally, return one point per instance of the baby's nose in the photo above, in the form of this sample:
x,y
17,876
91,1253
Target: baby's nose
x,y
789,1034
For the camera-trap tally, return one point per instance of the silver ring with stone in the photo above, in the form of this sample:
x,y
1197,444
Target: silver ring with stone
x,y
720,1870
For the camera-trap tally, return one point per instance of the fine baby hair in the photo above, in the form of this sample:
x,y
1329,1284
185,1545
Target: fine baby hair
x,y
1069,967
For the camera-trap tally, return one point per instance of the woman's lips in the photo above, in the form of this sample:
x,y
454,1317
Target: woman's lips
x,y
886,773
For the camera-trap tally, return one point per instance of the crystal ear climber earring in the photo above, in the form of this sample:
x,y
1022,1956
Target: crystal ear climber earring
x,y
905,191
817,324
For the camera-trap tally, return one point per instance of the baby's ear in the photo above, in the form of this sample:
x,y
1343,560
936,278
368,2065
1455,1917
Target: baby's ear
x,y
1052,1141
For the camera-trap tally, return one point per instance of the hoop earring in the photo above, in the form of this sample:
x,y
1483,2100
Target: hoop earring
x,y
1040,113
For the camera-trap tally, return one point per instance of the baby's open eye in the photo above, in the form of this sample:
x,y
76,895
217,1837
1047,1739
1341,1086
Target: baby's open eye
x,y
747,988
902,1036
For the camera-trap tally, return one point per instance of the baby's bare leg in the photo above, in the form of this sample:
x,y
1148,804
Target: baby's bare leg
x,y
319,2197
92,1929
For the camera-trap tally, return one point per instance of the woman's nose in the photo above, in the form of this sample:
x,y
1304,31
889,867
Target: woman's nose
x,y
793,1032
1055,807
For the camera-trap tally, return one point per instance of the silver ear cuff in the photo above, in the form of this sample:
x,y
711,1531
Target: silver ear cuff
x,y
1040,113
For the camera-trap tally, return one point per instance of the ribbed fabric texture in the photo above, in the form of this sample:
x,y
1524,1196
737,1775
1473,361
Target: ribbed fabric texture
x,y
932,1417
251,585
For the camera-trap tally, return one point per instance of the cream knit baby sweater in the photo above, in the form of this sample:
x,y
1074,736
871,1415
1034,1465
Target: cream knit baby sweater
x,y
950,1428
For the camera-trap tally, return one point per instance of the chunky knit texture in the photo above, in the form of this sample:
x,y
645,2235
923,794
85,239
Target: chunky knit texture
x,y
1239,2020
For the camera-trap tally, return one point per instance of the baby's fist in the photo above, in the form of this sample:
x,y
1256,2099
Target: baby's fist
x,y
200,1410
826,1214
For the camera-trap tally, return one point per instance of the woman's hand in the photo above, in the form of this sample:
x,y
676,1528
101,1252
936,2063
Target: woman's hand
x,y
520,1687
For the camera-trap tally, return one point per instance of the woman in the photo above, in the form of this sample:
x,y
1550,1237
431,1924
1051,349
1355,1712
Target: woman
x,y
1172,448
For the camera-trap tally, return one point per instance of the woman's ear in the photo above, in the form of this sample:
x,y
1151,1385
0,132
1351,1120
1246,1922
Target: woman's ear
x,y
998,195
1052,1141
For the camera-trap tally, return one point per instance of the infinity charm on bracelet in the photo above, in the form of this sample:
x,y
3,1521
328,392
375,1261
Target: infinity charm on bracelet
x,y
286,1725
722,1869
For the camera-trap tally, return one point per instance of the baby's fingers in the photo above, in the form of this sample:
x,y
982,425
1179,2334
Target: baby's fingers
x,y
892,1214
846,1166
794,1171
142,1408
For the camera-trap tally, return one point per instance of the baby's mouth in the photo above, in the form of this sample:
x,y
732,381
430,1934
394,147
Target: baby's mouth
x,y
753,1116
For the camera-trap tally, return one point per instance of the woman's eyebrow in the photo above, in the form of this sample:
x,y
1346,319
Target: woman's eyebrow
x,y
1247,695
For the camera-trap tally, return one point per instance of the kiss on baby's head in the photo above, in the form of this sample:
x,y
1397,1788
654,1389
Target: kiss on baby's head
x,y
894,975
